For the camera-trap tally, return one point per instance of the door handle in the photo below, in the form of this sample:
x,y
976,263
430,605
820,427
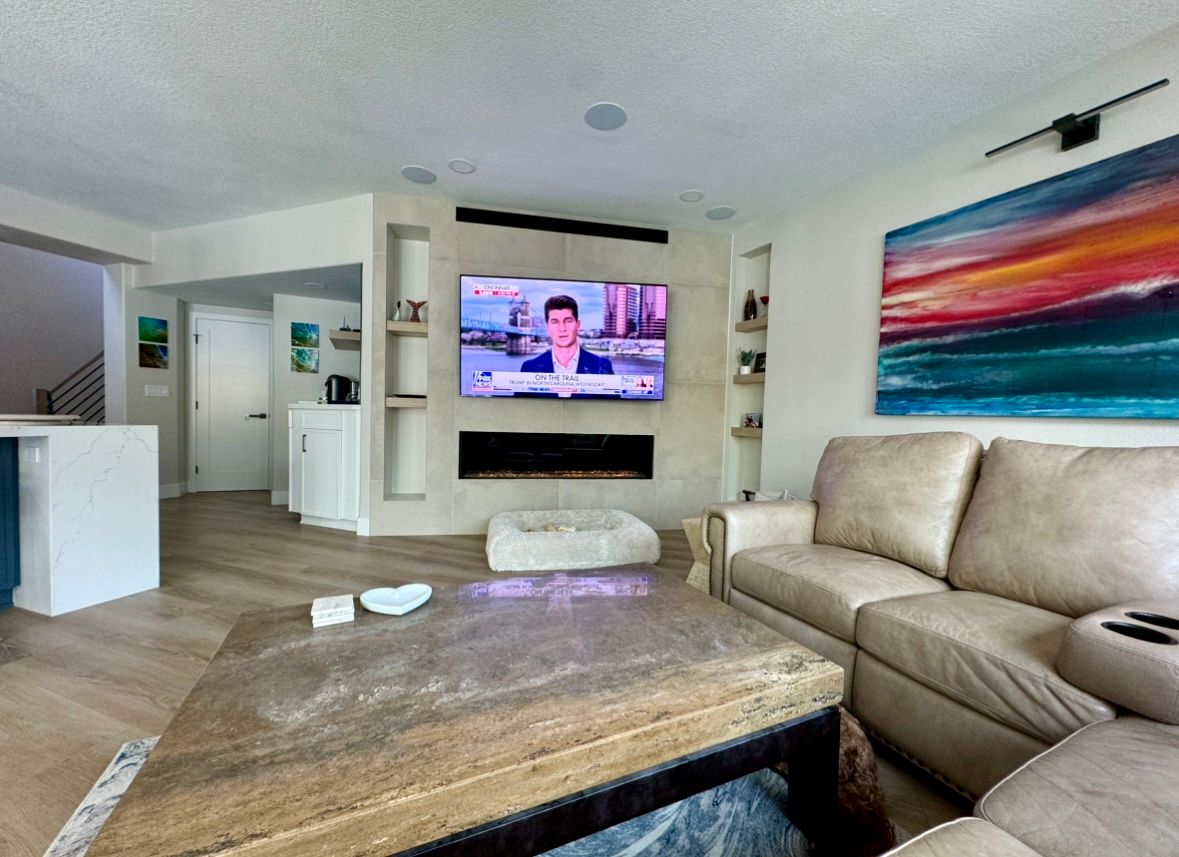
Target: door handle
x,y
256,416
304,443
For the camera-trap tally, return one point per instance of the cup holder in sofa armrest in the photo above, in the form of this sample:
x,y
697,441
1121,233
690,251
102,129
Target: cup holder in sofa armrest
x,y
1154,619
1140,632
1114,657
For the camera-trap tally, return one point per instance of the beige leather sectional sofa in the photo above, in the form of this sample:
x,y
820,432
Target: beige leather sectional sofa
x,y
945,584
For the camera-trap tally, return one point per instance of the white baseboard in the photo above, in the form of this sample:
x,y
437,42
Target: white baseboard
x,y
333,523
175,489
279,498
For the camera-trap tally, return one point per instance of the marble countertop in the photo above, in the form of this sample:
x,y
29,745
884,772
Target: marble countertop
x,y
39,419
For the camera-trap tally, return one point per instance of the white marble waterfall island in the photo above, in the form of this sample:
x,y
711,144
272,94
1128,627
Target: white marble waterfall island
x,y
89,514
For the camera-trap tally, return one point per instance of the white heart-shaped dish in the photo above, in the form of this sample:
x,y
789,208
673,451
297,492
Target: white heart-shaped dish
x,y
396,601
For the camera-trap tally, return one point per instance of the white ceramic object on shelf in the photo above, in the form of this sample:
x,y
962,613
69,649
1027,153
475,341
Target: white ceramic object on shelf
x,y
396,601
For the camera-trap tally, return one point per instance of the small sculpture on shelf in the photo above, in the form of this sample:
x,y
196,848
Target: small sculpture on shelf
x,y
415,306
397,314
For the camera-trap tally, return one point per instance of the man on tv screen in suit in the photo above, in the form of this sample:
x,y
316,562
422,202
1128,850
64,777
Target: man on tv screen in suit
x,y
566,356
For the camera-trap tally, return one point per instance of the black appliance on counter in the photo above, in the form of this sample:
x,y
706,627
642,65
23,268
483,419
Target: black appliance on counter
x,y
336,390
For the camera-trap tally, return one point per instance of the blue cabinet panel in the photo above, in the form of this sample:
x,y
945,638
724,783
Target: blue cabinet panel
x,y
9,521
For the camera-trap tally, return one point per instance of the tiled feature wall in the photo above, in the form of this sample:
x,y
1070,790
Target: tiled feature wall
x,y
689,425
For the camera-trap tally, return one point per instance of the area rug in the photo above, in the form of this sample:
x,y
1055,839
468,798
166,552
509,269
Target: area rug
x,y
744,818
75,838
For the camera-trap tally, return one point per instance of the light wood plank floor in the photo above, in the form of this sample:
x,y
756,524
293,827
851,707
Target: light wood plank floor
x,y
74,688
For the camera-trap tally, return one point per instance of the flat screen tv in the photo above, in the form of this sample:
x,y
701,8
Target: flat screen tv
x,y
532,338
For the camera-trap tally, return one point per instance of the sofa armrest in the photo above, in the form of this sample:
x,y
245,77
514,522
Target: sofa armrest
x,y
731,527
1128,654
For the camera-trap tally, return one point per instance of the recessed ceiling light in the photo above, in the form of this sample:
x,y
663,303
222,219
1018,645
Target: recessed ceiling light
x,y
605,116
460,165
421,175
692,195
721,212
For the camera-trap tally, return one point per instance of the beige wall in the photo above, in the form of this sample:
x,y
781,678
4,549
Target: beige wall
x,y
827,261
291,387
167,412
688,425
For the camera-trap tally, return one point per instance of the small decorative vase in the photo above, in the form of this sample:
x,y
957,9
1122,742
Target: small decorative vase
x,y
744,370
397,315
750,306
415,306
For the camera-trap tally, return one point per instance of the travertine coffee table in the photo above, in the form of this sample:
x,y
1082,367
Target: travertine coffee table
x,y
504,717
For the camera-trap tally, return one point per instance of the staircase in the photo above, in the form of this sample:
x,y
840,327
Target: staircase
x,y
82,393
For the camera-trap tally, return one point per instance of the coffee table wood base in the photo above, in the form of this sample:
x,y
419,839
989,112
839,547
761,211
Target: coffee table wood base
x,y
809,745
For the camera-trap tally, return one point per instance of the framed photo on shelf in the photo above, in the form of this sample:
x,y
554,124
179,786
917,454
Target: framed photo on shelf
x,y
751,421
759,362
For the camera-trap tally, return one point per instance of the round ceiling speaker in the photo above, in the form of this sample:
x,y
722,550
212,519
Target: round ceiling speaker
x,y
605,116
420,175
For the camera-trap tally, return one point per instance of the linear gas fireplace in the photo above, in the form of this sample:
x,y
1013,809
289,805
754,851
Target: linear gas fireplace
x,y
539,455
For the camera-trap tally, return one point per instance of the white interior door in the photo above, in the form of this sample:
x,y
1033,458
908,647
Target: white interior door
x,y
231,405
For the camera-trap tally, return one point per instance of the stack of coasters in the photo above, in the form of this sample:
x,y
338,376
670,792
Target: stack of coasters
x,y
332,610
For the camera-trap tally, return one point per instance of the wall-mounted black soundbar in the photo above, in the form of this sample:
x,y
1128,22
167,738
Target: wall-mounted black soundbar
x,y
557,224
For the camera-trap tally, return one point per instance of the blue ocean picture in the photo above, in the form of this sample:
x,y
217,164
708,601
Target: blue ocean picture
x,y
1051,300
305,360
304,335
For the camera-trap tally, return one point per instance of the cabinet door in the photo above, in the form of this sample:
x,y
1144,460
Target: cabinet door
x,y
321,450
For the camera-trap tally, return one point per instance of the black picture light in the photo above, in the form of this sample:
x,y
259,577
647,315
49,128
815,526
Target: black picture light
x,y
1077,129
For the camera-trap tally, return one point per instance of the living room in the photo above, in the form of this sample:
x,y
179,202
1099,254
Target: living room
x,y
815,251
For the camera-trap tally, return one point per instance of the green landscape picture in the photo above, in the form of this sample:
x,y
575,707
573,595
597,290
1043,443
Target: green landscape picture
x,y
153,329
304,335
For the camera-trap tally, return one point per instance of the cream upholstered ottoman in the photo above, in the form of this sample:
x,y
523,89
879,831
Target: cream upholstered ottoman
x,y
583,538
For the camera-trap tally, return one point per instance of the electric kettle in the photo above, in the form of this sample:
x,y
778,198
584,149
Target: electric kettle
x,y
337,388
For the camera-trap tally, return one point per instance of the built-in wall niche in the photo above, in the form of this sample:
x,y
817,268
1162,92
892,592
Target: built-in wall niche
x,y
407,277
743,458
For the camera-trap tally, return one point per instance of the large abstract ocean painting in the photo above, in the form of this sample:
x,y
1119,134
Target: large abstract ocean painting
x,y
1057,299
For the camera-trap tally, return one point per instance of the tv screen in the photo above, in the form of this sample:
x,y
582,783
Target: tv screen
x,y
561,338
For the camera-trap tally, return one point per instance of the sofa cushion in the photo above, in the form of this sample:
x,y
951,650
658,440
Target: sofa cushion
x,y
964,837
1107,791
899,496
1071,529
825,586
989,654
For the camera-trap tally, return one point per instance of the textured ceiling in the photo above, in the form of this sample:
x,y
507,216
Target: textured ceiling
x,y
168,114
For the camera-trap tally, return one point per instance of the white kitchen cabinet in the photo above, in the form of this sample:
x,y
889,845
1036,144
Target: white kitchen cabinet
x,y
325,464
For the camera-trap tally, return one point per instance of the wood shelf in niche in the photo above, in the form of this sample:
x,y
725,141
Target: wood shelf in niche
x,y
349,339
752,325
407,328
743,431
751,378
405,401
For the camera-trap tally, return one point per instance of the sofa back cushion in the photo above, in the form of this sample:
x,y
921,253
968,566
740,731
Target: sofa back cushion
x,y
897,496
1071,529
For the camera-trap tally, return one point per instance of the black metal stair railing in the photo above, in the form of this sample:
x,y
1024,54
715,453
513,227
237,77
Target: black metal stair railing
x,y
83,393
